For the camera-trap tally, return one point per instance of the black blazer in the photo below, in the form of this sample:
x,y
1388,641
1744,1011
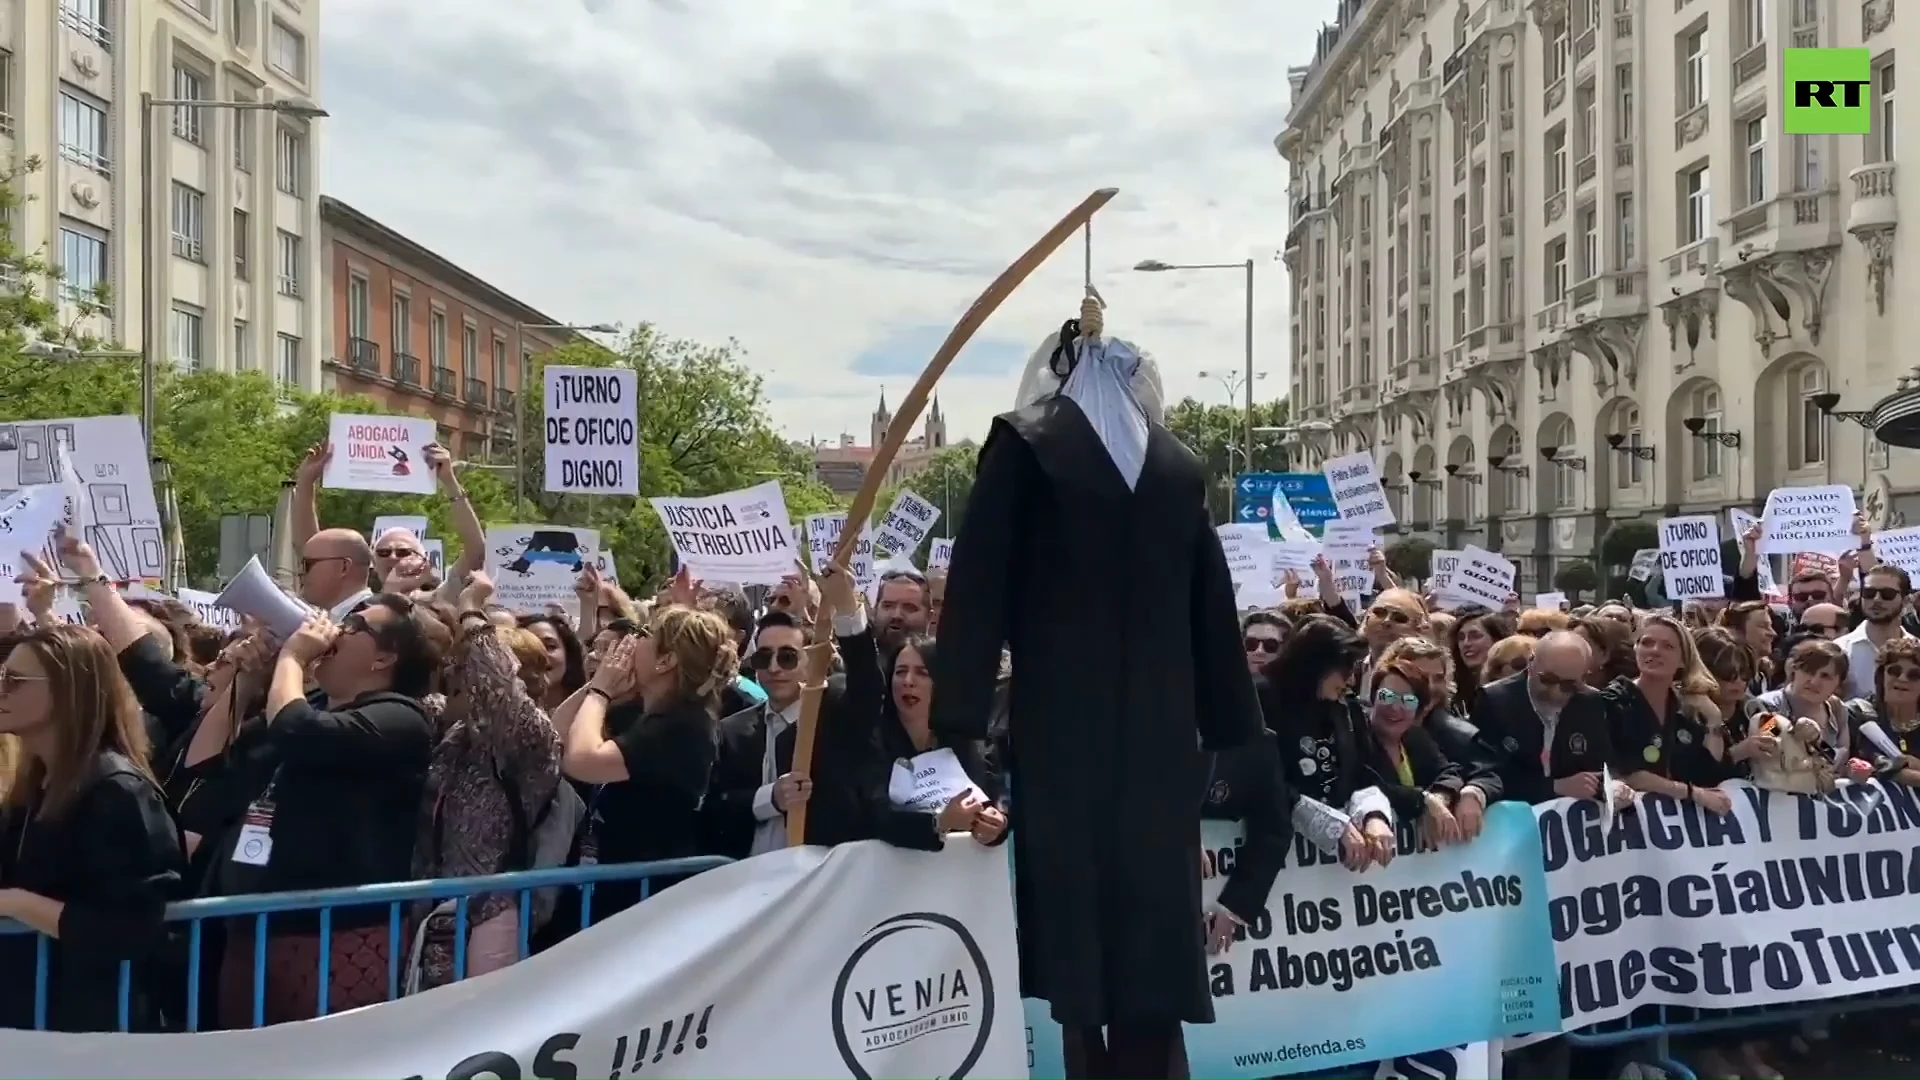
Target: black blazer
x,y
1513,732
1460,741
842,750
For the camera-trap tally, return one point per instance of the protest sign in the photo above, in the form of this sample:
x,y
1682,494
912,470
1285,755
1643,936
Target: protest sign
x,y
206,607
940,553
436,553
1690,558
1245,548
379,453
1482,578
905,524
103,458
27,521
1346,550
1741,521
1357,491
385,523
534,567
1900,547
742,536
593,430
860,959
1817,519
1789,898
930,781
823,532
1293,555
1550,601
1443,564
1645,562
1445,947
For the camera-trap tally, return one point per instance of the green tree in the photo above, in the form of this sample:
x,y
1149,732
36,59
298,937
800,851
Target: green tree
x,y
1410,558
29,313
1576,577
1217,435
946,481
1622,540
704,429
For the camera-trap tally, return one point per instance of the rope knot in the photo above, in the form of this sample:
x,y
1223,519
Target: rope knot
x,y
1092,315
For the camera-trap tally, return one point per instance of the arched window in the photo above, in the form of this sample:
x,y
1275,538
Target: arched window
x,y
1565,480
1513,484
1631,471
1709,457
1807,423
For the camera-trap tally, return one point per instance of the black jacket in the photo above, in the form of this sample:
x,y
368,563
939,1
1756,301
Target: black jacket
x,y
1511,730
1246,784
114,859
1460,742
346,787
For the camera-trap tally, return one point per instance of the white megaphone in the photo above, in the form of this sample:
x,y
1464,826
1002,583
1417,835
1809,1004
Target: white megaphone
x,y
253,593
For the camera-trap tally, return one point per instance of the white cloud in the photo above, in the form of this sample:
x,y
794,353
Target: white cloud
x,y
826,179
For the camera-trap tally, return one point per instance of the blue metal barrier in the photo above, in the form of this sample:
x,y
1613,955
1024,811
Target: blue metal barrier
x,y
393,895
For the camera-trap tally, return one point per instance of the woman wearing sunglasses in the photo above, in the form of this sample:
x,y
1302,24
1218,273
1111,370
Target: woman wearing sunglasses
x,y
1895,706
89,857
1408,765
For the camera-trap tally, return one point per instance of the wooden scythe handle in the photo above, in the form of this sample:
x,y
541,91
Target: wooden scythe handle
x,y
820,653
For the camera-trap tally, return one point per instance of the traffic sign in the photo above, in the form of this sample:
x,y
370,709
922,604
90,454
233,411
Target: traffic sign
x,y
1308,493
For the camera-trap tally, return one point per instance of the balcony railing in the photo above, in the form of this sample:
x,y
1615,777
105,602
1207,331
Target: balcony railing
x,y
364,355
474,391
406,369
503,400
442,381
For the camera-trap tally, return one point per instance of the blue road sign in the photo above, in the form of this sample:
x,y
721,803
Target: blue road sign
x,y
1308,493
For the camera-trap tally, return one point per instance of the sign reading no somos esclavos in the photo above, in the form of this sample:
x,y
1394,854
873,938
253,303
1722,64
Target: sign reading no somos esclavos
x,y
593,430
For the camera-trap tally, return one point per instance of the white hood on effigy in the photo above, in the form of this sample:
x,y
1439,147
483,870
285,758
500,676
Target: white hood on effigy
x,y
1116,385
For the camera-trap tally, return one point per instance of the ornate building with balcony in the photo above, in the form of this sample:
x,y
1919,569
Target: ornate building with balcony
x,y
418,333
1577,273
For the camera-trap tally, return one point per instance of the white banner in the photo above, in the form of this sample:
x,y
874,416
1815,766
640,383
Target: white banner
x,y
1789,898
857,961
593,430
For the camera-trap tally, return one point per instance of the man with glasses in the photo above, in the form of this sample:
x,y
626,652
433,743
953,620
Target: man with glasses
x,y
1262,633
1827,621
1883,600
1549,732
333,572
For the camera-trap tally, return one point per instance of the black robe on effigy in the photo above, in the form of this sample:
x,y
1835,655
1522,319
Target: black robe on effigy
x,y
1118,610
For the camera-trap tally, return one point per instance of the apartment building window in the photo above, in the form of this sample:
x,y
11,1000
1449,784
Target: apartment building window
x,y
1883,122
6,92
289,264
287,51
1623,236
1426,329
437,338
1459,225
287,367
1557,159
1555,67
189,337
1753,23
189,221
1459,315
1426,240
1697,225
359,308
1565,479
1627,426
1513,486
1807,173
1709,457
88,18
242,246
85,136
402,325
243,24
242,346
1589,243
1506,183
1810,440
1694,80
1623,102
189,85
1556,270
1506,88
1508,301
1589,132
1366,288
289,161
242,121
83,259
499,361
469,351
1754,162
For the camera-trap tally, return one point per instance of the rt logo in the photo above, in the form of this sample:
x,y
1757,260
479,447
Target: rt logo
x,y
1828,91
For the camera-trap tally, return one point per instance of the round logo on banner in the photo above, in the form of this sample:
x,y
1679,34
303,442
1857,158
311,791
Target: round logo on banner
x,y
914,999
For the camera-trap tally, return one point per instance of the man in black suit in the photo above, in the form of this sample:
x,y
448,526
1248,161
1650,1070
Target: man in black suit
x,y
754,785
1524,714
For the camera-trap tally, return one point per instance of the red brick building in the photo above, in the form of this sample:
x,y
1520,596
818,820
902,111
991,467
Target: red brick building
x,y
411,329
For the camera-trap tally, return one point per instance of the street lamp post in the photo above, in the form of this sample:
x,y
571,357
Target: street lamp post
x,y
152,255
520,436
1154,266
1231,380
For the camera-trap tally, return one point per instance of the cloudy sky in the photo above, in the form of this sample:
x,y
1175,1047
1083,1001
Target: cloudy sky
x,y
833,182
